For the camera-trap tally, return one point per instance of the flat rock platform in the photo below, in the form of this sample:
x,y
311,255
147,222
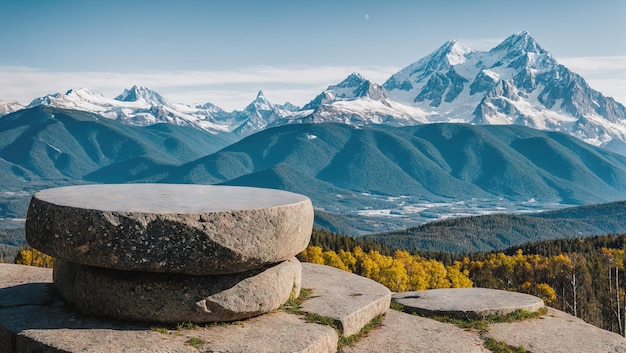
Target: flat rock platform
x,y
34,319
170,228
466,302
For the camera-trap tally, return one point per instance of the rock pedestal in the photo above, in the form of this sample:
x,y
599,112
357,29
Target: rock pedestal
x,y
171,253
463,303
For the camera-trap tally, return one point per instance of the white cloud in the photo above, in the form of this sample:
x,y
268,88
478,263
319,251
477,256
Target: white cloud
x,y
481,44
229,89
234,89
606,74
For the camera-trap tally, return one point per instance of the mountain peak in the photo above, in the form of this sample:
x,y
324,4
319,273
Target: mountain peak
x,y
452,53
140,93
520,42
259,103
353,80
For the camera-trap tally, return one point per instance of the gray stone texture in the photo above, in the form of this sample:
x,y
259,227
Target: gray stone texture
x,y
189,229
403,333
466,302
160,297
351,300
275,332
41,323
48,326
28,285
557,332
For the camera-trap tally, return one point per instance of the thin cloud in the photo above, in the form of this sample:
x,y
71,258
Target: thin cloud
x,y
481,44
234,89
24,83
606,74
596,64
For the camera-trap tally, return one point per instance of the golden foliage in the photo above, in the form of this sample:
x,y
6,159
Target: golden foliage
x,y
400,272
33,257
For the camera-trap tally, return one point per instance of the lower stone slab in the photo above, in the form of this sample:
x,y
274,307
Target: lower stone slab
x,y
170,298
42,323
406,333
45,329
557,332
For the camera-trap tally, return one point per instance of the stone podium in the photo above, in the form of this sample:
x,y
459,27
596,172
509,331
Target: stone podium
x,y
172,253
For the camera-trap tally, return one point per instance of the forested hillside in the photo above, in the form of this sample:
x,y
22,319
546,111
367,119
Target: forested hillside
x,y
582,276
496,232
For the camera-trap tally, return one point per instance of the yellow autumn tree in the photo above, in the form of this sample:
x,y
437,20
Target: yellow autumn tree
x,y
348,259
313,254
332,259
33,257
394,276
457,277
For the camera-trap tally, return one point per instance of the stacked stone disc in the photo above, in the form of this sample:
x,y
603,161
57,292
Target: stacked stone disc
x,y
172,253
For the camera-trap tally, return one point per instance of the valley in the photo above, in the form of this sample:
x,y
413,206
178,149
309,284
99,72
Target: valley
x,y
398,212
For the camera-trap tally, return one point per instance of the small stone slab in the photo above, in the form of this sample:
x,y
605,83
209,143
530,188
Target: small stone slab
x,y
402,333
466,302
53,328
190,229
557,332
351,300
170,298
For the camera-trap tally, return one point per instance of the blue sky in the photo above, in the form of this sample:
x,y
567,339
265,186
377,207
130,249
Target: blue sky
x,y
223,52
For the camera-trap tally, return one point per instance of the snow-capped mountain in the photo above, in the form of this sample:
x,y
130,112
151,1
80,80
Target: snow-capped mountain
x,y
259,114
358,101
7,108
137,106
517,82
142,106
143,95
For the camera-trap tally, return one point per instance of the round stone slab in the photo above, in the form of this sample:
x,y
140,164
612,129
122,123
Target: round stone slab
x,y
466,302
190,229
162,297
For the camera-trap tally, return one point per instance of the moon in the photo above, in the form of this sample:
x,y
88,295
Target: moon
x,y
367,17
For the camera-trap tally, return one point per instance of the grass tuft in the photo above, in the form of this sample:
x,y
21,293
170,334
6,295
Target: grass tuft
x,y
160,330
185,325
482,327
501,347
352,340
195,342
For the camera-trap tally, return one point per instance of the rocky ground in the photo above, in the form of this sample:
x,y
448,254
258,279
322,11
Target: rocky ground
x,y
337,304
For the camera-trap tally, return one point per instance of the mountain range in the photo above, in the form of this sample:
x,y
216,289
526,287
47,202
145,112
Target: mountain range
x,y
515,83
45,144
458,132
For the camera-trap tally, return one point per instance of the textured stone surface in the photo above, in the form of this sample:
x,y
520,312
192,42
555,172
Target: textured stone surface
x,y
275,332
42,324
557,332
27,285
48,326
352,301
466,302
191,229
160,297
403,333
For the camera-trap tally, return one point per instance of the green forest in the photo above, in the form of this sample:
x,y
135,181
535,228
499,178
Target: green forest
x,y
500,231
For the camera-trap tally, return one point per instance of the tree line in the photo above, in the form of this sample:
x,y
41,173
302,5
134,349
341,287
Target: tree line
x,y
582,276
